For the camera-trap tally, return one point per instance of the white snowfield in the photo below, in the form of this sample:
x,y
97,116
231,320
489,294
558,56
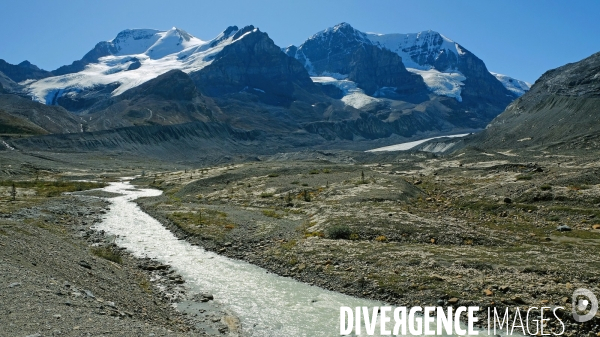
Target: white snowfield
x,y
400,42
515,86
448,83
443,83
353,96
157,52
410,145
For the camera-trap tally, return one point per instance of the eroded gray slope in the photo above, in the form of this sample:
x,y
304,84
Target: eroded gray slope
x,y
562,109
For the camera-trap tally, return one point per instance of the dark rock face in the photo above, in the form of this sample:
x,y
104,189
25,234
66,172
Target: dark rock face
x,y
331,90
345,50
253,63
134,65
9,86
100,50
560,110
574,79
480,85
226,34
173,85
23,71
373,68
171,98
79,100
431,49
441,59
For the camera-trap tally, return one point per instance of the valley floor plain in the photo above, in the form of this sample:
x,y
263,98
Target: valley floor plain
x,y
501,229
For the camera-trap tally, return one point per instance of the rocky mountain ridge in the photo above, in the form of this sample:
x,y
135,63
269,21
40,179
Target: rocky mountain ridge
x,y
559,112
364,89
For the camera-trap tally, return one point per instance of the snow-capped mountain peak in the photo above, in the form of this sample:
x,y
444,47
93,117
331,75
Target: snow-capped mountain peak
x,y
133,41
419,50
341,31
154,43
135,56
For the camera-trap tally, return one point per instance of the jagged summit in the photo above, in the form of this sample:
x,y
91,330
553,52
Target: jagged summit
x,y
423,50
27,64
343,30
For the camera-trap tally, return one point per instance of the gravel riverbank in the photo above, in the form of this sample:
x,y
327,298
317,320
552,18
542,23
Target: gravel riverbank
x,y
56,279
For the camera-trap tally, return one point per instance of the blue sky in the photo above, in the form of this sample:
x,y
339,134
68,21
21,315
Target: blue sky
x,y
522,39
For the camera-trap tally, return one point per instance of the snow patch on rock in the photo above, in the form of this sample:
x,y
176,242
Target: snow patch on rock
x,y
353,95
517,87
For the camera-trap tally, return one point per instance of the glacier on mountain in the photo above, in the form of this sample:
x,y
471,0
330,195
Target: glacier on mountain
x,y
447,83
135,56
425,47
157,52
353,95
515,86
416,46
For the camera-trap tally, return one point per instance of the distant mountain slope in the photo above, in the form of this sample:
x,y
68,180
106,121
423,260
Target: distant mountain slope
x,y
517,87
343,51
20,115
22,71
197,142
562,110
447,68
132,58
405,81
171,98
341,84
439,60
253,63
8,84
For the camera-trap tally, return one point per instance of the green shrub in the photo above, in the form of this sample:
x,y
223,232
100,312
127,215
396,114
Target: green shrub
x,y
339,232
108,254
271,213
545,187
306,196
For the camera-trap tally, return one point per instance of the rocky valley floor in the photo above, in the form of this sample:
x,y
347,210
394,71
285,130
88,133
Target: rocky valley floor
x,y
61,278
488,229
500,229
